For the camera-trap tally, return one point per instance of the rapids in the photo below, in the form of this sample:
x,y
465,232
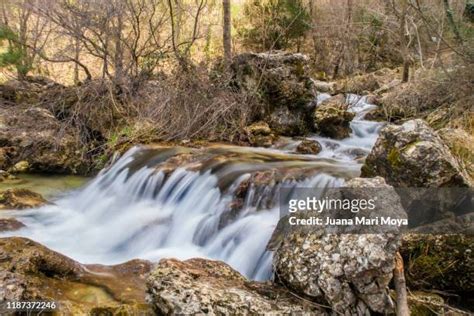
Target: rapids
x,y
144,207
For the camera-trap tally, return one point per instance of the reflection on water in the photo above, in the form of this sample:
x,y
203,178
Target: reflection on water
x,y
49,186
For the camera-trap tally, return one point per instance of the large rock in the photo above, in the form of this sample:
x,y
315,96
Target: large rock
x,y
33,137
332,119
349,272
282,81
20,199
30,271
200,286
413,155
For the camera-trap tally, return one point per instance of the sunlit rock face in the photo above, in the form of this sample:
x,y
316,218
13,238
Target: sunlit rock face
x,y
413,155
200,286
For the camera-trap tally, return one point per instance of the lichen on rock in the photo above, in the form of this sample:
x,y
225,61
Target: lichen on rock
x,y
413,155
200,286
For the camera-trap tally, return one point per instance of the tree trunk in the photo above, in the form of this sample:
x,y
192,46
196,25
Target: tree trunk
x,y
227,32
403,41
451,22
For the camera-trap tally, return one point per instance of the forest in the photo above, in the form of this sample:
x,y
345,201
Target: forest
x,y
149,150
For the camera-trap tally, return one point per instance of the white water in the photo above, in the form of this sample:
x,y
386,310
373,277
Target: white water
x,y
127,213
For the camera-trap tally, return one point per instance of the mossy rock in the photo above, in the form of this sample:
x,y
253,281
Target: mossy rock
x,y
439,262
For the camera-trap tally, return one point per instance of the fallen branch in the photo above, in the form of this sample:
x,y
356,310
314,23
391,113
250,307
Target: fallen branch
x,y
400,287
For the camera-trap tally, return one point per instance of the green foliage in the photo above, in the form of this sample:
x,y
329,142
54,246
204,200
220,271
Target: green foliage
x,y
15,54
274,24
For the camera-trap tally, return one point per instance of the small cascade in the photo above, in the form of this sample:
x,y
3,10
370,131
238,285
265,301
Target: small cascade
x,y
155,203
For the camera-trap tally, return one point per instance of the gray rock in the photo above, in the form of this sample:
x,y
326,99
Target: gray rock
x,y
413,155
350,272
200,286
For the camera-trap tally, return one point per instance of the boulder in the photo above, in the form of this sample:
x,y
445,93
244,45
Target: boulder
x,y
259,134
32,272
444,263
413,155
12,199
32,139
282,82
309,146
332,119
200,286
348,272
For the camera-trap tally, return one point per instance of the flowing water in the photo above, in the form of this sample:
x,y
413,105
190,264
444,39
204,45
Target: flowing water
x,y
174,202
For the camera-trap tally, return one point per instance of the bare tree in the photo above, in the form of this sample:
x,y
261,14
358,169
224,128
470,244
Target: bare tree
x,y
227,37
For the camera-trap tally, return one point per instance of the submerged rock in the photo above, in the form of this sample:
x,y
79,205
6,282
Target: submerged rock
x,y
10,224
348,272
259,134
20,199
332,119
200,286
308,146
413,155
32,272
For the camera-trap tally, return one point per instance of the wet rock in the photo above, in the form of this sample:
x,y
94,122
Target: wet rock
x,y
308,146
259,134
20,199
199,286
332,119
282,81
10,224
443,263
32,138
31,271
348,272
413,155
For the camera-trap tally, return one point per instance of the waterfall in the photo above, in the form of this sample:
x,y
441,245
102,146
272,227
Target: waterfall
x,y
141,207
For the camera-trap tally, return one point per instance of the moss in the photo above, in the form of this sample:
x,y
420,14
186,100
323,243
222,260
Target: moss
x,y
441,262
393,157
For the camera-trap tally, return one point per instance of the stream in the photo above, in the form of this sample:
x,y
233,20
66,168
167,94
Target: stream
x,y
139,208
